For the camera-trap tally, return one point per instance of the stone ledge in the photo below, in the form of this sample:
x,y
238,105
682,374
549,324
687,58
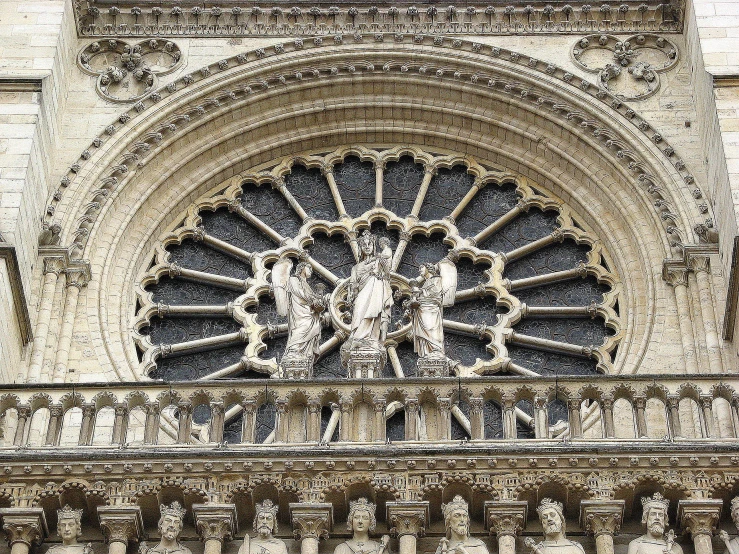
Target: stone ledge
x,y
9,255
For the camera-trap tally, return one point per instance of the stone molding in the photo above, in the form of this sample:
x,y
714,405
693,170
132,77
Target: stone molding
x,y
9,256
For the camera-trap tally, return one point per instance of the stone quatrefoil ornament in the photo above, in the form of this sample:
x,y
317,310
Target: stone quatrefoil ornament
x,y
128,72
627,68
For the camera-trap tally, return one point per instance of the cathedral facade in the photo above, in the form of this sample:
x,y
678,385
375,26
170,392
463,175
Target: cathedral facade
x,y
367,278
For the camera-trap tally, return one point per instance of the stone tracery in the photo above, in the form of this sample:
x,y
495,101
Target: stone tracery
x,y
502,235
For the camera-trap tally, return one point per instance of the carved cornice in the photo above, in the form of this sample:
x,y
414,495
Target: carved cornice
x,y
189,18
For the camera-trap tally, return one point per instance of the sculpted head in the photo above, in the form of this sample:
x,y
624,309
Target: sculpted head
x,y
383,243
552,517
367,244
265,520
69,524
429,270
361,516
304,269
457,517
170,520
654,514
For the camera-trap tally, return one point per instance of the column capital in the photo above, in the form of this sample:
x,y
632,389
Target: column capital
x,y
699,517
408,518
121,523
311,520
505,517
675,273
24,525
601,517
215,521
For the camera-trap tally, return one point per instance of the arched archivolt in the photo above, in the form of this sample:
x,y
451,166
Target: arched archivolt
x,y
603,160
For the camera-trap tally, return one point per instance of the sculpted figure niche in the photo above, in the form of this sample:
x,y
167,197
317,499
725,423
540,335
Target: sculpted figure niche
x,y
303,307
370,299
551,515
457,523
654,541
361,522
69,529
265,525
170,527
732,545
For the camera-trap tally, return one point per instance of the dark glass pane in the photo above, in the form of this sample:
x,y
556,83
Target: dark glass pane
x,y
275,348
557,257
395,427
557,411
408,358
199,257
265,422
583,332
421,250
181,292
524,431
580,292
401,183
329,366
266,311
201,414
527,227
234,229
356,183
464,349
469,274
487,206
175,330
333,252
493,417
271,208
474,312
325,417
195,366
446,190
312,192
548,363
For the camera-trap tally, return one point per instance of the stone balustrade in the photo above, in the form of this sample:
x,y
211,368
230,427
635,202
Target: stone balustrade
x,y
266,412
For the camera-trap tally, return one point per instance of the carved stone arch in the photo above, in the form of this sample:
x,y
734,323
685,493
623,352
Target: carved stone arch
x,y
136,398
71,400
104,399
118,356
656,391
9,401
40,400
722,390
201,396
590,392
624,391
168,397
689,390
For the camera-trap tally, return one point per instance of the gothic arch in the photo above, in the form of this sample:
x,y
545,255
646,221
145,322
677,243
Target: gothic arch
x,y
506,110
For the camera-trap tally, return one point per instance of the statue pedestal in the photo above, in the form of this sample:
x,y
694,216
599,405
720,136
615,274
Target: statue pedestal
x,y
433,367
365,363
293,368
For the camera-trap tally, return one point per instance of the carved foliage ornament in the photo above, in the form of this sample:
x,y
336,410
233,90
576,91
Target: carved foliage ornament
x,y
627,68
127,72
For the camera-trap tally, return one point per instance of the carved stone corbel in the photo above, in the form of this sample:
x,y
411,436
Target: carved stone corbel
x,y
216,524
120,525
602,518
311,522
24,527
408,521
506,519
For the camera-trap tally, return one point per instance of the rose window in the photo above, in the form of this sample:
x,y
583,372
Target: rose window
x,y
377,263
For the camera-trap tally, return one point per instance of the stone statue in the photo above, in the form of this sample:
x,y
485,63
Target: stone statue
x,y
457,523
654,541
170,527
551,515
370,297
69,529
265,525
296,300
732,545
361,522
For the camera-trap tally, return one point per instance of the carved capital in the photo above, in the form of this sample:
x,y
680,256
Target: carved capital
x,y
476,404
698,263
54,265
121,523
24,525
699,517
311,520
601,517
505,518
675,274
215,521
408,518
78,277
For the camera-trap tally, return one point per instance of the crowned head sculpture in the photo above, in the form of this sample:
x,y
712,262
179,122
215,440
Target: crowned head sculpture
x,y
548,507
361,505
656,502
266,514
69,524
456,516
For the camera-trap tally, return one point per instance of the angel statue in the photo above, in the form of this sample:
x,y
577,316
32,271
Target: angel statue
x,y
430,293
303,307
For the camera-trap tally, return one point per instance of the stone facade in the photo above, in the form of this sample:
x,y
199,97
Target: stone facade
x,y
122,127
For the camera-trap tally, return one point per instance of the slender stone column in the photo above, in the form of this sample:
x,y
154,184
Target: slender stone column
x,y
24,414
151,431
706,403
509,419
217,412
640,405
314,421
445,417
345,424
24,528
247,427
673,403
608,423
411,419
477,419
281,431
575,420
216,524
408,521
700,518
541,423
76,279
677,277
380,434
120,424
53,431
87,427
184,428
53,267
506,519
701,267
311,523
602,518
120,525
